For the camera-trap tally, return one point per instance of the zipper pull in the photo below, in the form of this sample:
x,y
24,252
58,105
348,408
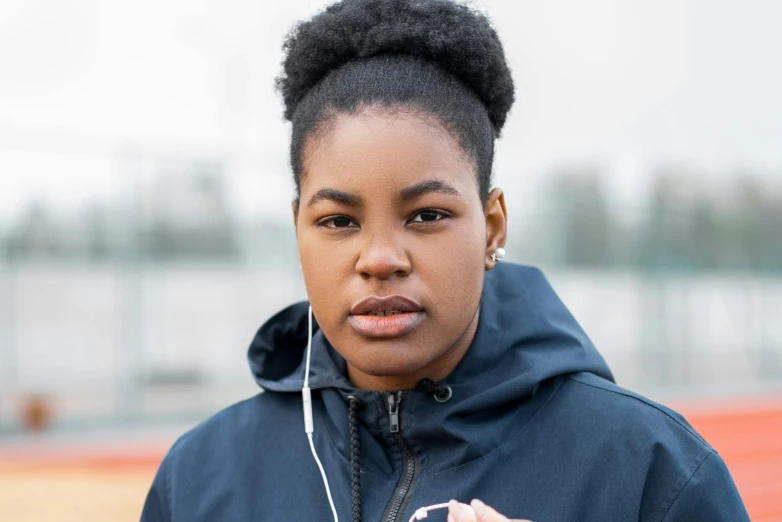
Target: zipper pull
x,y
393,410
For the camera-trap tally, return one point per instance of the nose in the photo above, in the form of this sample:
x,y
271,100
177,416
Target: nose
x,y
383,257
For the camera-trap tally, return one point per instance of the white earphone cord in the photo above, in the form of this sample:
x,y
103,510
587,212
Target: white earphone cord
x,y
309,428
306,395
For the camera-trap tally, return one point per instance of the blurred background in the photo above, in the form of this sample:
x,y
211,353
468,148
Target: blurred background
x,y
146,232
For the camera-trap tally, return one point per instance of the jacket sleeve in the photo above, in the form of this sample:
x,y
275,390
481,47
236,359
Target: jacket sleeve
x,y
157,507
710,494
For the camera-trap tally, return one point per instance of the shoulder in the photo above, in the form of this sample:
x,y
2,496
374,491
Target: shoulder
x,y
609,403
255,419
677,471
205,462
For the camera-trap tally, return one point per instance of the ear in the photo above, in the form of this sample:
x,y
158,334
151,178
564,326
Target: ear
x,y
496,225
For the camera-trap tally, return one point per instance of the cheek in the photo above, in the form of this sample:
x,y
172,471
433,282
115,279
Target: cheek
x,y
454,268
325,266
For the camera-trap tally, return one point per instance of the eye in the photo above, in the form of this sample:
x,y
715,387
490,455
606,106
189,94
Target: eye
x,y
338,222
427,216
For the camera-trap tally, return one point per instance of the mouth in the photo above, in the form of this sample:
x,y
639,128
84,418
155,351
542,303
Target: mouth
x,y
386,317
385,313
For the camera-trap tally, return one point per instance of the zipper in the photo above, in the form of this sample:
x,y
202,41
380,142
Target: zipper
x,y
404,489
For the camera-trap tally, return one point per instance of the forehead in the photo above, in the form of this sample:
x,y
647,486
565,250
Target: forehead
x,y
382,150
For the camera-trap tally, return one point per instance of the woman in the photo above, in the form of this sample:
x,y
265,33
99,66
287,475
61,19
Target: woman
x,y
435,371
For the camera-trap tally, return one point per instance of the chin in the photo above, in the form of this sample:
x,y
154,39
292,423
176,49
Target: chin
x,y
392,363
389,371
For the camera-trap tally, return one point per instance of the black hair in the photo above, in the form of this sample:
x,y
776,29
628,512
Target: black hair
x,y
433,57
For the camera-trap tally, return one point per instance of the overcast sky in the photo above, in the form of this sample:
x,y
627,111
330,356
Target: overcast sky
x,y
625,85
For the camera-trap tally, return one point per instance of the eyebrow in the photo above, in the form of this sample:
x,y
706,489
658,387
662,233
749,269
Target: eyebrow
x,y
406,194
425,187
338,196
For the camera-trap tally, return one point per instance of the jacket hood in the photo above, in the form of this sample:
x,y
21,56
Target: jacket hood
x,y
525,336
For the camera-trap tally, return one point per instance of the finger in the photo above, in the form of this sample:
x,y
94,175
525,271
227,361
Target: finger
x,y
485,513
460,513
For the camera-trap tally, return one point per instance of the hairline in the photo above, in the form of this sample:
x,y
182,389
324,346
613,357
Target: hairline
x,y
331,116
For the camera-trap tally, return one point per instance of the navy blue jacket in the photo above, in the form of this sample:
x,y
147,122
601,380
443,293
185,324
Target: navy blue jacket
x,y
535,427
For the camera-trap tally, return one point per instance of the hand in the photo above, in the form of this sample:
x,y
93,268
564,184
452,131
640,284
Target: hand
x,y
480,513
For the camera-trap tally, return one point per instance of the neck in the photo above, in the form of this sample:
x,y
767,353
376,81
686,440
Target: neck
x,y
436,370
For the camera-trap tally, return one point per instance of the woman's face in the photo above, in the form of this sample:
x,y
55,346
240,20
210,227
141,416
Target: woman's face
x,y
394,242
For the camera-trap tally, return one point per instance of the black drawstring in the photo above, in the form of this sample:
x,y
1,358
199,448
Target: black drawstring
x,y
441,394
355,460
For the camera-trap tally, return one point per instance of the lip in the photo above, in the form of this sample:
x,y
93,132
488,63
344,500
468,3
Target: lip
x,y
390,303
410,315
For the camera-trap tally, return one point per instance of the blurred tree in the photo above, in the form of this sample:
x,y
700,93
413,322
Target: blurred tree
x,y
758,225
37,233
585,223
688,224
704,244
188,215
97,232
667,234
691,225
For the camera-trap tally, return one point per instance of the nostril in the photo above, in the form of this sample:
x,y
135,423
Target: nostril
x,y
383,260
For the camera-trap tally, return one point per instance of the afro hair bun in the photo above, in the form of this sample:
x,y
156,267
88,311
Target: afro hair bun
x,y
459,39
